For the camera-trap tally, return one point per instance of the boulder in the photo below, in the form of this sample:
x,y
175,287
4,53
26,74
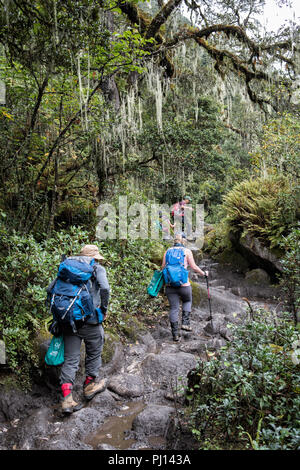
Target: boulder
x,y
148,340
127,385
199,294
222,301
161,368
258,277
259,255
194,347
152,421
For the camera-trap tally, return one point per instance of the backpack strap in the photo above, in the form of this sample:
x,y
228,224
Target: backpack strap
x,y
71,303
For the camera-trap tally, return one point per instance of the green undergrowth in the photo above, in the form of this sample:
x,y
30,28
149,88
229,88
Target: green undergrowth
x,y
262,208
247,396
30,265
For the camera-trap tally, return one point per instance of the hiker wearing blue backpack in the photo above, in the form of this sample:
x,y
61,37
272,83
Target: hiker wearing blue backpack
x,y
178,288
79,299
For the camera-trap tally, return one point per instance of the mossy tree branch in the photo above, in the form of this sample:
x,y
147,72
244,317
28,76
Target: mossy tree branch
x,y
249,68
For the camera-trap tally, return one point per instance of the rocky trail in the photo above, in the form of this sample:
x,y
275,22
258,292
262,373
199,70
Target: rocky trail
x,y
146,379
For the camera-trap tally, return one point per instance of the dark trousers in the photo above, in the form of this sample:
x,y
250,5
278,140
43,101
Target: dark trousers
x,y
93,337
177,295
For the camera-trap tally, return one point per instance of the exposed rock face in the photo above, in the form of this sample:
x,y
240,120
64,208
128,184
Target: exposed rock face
x,y
257,255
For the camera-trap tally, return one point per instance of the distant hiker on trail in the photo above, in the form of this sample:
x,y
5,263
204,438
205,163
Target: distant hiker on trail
x,y
164,225
178,288
178,212
89,329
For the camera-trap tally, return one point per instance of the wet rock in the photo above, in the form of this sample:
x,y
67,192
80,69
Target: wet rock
x,y
200,315
152,421
221,301
31,432
105,447
162,332
258,277
140,445
216,343
148,341
161,367
127,385
213,326
64,443
15,403
115,364
194,347
256,291
104,401
83,422
137,350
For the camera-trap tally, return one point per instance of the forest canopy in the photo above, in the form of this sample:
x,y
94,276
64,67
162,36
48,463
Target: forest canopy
x,y
99,91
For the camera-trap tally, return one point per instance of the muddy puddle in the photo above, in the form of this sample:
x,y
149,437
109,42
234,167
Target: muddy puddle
x,y
114,430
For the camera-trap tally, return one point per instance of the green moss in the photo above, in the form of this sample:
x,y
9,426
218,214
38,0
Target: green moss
x,y
156,254
111,338
233,258
132,327
197,293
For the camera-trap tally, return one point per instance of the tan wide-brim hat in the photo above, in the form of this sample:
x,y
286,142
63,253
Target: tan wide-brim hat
x,y
92,251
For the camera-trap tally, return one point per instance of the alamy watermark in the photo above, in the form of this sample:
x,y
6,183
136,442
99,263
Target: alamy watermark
x,y
155,221
2,353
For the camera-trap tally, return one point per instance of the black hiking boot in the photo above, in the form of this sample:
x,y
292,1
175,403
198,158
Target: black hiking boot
x,y
174,329
186,321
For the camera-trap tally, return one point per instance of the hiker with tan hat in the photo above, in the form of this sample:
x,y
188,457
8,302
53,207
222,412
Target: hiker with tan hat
x,y
90,331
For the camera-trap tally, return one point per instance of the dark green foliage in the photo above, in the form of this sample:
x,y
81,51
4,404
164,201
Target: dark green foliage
x,y
249,393
290,280
28,268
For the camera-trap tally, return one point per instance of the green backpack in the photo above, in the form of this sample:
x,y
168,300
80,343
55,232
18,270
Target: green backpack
x,y
156,283
55,355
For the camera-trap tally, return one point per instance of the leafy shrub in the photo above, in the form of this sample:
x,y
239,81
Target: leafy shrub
x,y
28,268
265,208
250,393
290,280
129,272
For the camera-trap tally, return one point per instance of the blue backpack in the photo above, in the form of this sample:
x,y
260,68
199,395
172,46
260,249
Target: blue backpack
x,y
174,272
70,298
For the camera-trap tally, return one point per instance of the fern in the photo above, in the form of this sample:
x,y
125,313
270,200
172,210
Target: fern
x,y
265,208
